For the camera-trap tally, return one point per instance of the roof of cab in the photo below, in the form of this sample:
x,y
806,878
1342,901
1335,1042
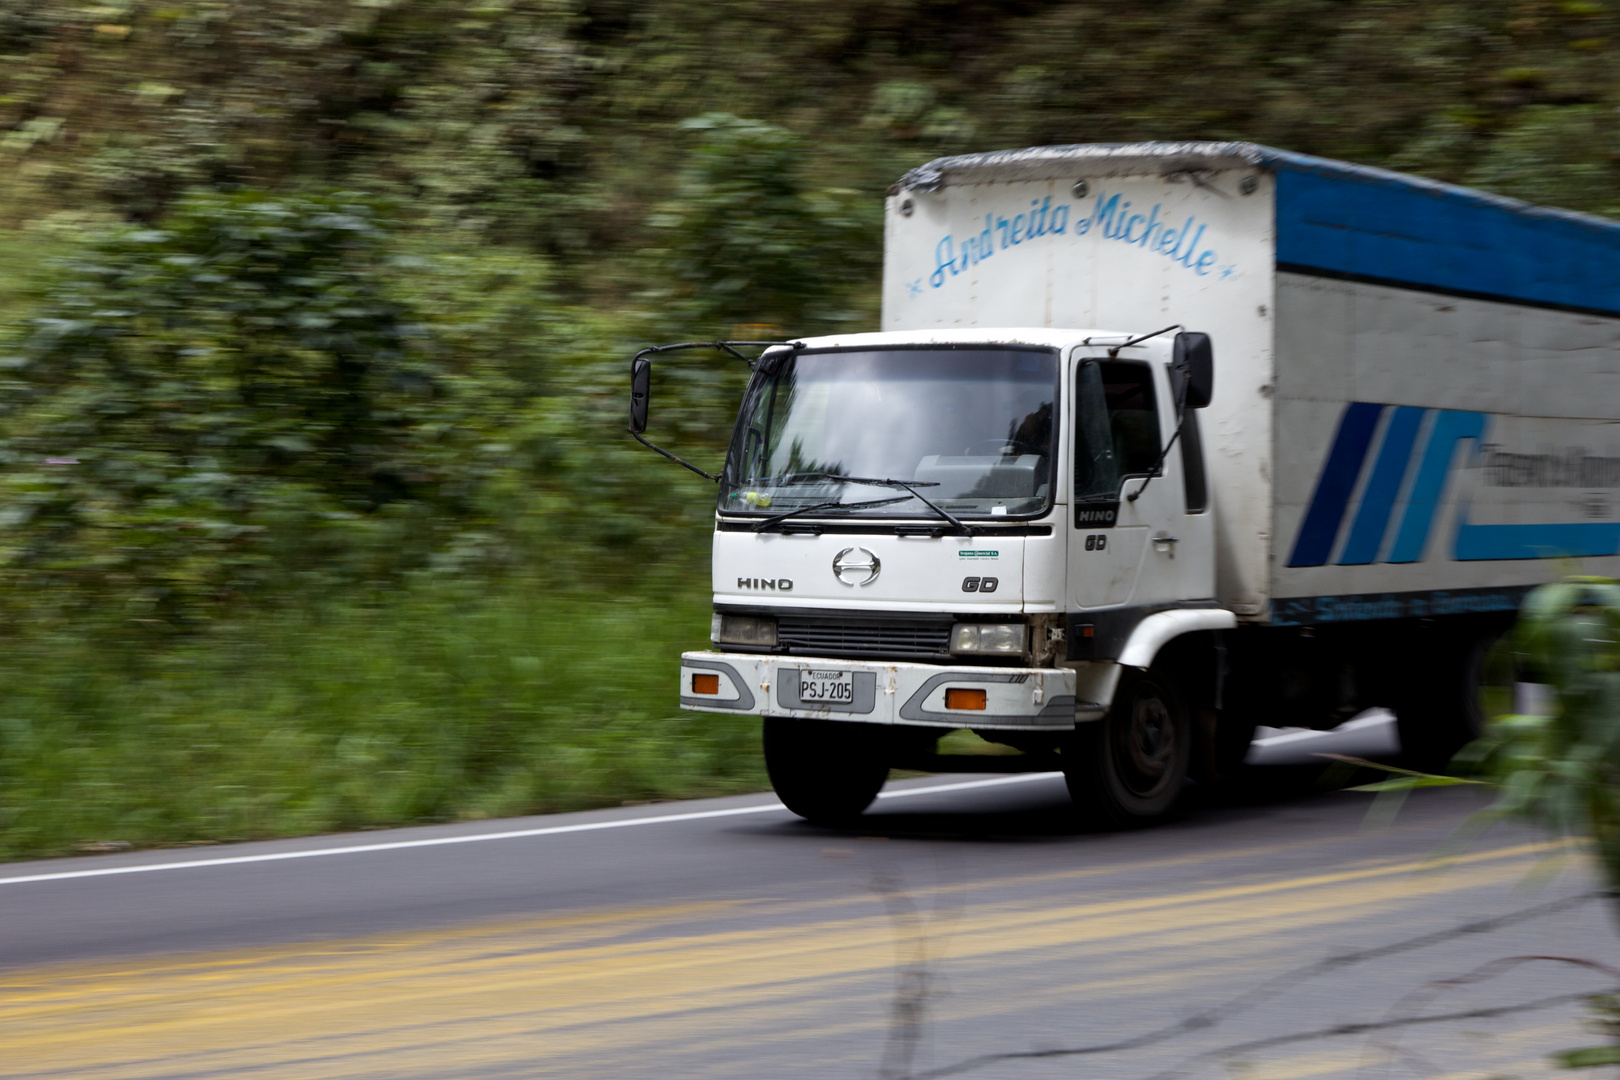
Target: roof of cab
x,y
993,336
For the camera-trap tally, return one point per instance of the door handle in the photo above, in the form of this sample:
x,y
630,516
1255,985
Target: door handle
x,y
1167,539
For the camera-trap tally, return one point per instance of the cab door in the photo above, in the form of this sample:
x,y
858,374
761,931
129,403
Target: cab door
x,y
1153,549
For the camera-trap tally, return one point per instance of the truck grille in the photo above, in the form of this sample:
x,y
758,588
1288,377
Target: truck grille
x,y
897,637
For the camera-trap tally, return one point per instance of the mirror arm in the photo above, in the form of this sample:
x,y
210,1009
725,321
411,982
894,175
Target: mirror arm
x,y
1113,350
724,346
672,457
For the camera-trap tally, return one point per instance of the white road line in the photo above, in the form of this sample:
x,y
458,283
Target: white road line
x,y
515,834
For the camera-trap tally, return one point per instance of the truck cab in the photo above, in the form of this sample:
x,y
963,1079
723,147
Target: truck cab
x,y
919,532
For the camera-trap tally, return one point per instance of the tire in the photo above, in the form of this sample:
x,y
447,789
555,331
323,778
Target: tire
x,y
1438,711
1129,767
826,771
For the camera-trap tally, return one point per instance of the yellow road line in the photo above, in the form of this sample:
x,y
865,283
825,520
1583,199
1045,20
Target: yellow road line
x,y
547,992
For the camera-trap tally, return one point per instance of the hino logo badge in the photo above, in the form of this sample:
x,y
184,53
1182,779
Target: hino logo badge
x,y
856,566
784,584
1097,515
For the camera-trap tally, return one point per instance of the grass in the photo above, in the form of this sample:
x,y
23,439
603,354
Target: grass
x,y
442,703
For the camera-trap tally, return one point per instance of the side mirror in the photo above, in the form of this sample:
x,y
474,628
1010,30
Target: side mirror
x,y
1194,355
640,387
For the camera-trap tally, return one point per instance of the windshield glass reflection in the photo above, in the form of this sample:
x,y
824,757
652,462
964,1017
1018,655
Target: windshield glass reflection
x,y
972,428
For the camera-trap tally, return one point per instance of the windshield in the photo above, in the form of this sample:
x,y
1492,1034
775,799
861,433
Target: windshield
x,y
972,429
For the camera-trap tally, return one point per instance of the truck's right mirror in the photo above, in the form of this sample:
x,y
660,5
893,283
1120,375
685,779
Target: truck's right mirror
x,y
1194,355
640,387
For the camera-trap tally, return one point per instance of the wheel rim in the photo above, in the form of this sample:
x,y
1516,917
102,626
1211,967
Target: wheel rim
x,y
1145,749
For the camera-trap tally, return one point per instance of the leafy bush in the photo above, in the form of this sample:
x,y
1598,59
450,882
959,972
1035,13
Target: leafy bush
x,y
1567,155
749,242
205,408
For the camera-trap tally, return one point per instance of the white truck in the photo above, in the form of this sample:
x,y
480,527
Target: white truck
x,y
1158,442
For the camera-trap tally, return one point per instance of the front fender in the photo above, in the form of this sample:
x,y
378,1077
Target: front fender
x,y
1153,632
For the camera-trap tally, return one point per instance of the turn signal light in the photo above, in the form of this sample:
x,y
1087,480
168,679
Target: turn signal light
x,y
705,684
959,698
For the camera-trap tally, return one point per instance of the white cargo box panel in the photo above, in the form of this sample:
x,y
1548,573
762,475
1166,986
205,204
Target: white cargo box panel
x,y
1417,405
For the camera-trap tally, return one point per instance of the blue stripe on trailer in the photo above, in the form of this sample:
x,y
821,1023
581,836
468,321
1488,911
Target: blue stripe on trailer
x,y
1479,542
1361,607
1378,500
1351,221
1321,526
1429,486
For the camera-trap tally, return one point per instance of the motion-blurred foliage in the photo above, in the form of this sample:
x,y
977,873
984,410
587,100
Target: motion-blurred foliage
x,y
747,244
349,286
1562,769
200,407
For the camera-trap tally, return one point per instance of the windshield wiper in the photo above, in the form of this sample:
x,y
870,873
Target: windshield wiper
x,y
908,485
835,505
911,486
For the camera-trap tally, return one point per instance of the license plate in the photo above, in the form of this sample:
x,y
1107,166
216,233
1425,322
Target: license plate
x,y
831,686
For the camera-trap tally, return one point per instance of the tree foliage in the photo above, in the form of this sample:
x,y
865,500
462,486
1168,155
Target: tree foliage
x,y
235,395
552,124
747,240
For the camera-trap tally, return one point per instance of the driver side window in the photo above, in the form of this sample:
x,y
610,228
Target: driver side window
x,y
1116,426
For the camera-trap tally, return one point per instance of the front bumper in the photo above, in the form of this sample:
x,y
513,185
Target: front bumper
x,y
1033,699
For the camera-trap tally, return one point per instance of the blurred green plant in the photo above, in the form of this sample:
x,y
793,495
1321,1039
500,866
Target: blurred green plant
x,y
1605,1019
1562,770
237,396
749,241
1559,769
1568,155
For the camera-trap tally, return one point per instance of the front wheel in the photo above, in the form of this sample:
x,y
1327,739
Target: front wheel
x,y
1128,767
826,771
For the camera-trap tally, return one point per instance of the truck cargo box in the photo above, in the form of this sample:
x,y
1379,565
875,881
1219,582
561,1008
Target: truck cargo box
x,y
1418,385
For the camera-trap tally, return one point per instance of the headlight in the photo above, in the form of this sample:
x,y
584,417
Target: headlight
x,y
1000,639
742,630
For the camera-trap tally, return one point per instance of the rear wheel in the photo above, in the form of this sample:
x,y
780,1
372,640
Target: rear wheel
x,y
1438,709
1128,768
826,771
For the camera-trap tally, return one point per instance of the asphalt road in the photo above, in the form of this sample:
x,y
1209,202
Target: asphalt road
x,y
969,928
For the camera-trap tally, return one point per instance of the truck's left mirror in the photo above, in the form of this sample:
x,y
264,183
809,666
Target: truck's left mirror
x,y
1195,356
640,386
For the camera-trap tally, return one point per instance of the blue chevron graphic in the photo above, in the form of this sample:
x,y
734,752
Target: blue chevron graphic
x,y
1393,484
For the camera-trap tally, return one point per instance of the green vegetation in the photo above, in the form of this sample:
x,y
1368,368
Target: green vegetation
x,y
1559,769
1563,770
443,702
314,319
25,272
